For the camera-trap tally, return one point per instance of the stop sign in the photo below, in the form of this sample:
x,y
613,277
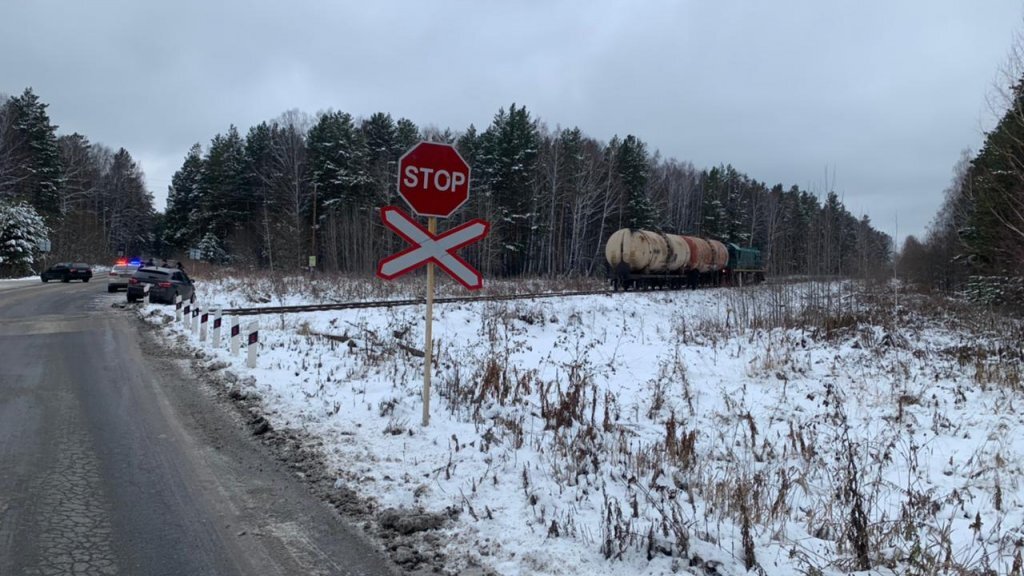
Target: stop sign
x,y
433,179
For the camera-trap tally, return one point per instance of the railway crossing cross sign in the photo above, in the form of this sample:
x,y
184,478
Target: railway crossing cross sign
x,y
434,180
427,247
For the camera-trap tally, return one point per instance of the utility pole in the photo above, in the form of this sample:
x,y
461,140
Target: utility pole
x,y
312,246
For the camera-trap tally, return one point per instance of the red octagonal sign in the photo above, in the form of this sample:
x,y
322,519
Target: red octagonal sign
x,y
433,179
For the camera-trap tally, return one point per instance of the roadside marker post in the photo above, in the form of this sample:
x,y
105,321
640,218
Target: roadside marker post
x,y
254,343
177,307
217,314
204,316
195,321
187,318
235,335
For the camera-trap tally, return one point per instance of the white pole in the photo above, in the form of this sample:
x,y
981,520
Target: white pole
x,y
254,342
217,314
428,349
177,307
204,317
195,320
187,319
235,336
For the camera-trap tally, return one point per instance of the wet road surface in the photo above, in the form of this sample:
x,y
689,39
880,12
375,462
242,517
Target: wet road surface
x,y
113,462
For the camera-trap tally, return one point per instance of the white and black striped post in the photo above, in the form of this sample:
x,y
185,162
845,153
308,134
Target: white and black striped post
x,y
217,314
235,335
195,320
177,307
187,318
204,316
254,342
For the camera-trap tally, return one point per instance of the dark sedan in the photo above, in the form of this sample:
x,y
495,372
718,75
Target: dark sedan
x,y
67,271
162,285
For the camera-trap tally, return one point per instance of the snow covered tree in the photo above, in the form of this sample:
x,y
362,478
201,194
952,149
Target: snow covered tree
x,y
22,232
338,170
632,168
130,205
381,137
406,134
211,250
714,221
222,202
507,160
35,173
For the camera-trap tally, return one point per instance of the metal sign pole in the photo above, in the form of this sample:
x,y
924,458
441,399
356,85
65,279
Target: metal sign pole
x,y
428,350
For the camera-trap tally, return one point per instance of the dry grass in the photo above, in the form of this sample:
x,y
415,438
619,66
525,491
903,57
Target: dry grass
x,y
754,476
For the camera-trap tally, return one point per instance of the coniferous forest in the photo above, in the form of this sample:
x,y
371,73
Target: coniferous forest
x,y
304,184
976,240
84,198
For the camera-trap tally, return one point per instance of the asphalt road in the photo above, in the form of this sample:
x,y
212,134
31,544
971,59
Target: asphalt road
x,y
113,462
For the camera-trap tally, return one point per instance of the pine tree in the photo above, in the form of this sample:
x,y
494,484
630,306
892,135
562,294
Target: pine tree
x,y
507,161
181,222
406,135
382,153
22,232
633,169
337,160
37,172
259,175
338,171
223,204
714,217
131,205
210,249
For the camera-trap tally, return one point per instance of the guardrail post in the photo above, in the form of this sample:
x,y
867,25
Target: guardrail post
x,y
235,335
204,316
177,307
217,313
254,342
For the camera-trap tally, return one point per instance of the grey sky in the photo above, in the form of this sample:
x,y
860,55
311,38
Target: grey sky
x,y
875,99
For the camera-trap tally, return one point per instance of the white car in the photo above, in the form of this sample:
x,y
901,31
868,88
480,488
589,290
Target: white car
x,y
119,275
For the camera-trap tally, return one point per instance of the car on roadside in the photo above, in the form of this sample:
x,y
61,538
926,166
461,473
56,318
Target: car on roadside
x,y
67,271
160,284
118,276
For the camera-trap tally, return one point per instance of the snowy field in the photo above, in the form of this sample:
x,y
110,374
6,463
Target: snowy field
x,y
795,430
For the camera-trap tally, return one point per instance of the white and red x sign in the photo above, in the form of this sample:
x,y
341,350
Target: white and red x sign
x,y
437,248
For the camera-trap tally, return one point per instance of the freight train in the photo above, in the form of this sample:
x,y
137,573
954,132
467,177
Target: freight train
x,y
640,259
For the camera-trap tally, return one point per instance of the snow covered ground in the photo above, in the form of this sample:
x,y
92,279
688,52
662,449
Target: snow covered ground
x,y
796,429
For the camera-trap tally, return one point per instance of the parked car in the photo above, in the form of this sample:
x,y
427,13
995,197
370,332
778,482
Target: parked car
x,y
67,271
162,284
119,275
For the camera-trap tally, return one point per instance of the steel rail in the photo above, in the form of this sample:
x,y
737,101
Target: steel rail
x,y
410,302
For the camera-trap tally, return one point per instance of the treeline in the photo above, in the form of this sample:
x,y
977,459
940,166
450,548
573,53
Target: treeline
x,y
976,240
91,199
300,186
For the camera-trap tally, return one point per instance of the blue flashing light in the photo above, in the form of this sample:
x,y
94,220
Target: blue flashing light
x,y
136,262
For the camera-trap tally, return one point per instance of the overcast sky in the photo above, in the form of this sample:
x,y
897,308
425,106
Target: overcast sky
x,y
874,99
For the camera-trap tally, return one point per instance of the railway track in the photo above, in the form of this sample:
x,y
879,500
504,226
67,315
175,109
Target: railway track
x,y
410,302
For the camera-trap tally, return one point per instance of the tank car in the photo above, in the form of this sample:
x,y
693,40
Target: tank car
x,y
639,259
